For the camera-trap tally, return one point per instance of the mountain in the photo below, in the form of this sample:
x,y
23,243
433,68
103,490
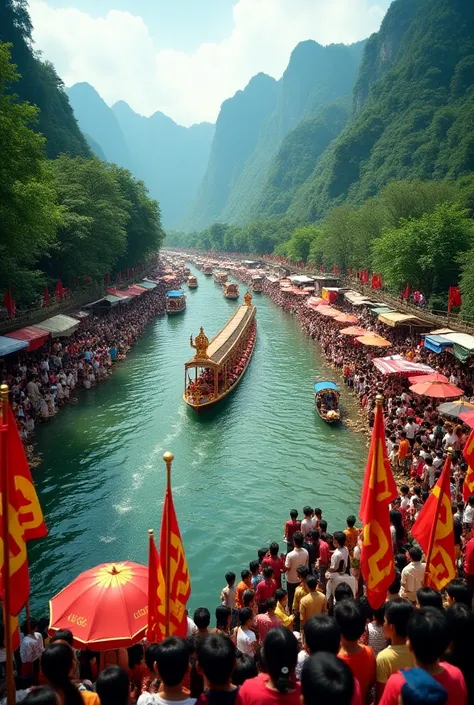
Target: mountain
x,y
98,121
169,158
413,109
40,85
267,111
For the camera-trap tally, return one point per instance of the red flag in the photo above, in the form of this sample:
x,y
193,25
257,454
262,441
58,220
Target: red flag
x,y
59,290
454,297
25,518
87,280
156,595
321,267
379,489
46,297
336,269
177,581
468,453
376,282
364,276
434,531
9,304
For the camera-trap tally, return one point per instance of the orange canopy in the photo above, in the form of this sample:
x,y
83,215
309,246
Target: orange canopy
x,y
355,331
374,340
346,318
328,311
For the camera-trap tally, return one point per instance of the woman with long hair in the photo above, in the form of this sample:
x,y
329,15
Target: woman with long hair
x,y
58,662
279,686
397,532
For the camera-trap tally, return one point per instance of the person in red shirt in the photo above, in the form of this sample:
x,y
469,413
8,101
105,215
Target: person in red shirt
x,y
428,639
291,527
469,563
278,685
266,588
350,619
276,562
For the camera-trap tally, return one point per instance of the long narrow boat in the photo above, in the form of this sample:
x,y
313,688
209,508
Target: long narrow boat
x,y
231,290
175,301
327,401
219,365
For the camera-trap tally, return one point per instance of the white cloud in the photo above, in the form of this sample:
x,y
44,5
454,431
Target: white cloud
x,y
117,56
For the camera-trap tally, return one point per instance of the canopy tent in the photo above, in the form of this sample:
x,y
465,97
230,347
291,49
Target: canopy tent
x,y
302,280
374,340
430,377
353,296
441,331
395,319
60,325
108,301
298,292
315,301
80,315
455,408
329,311
437,343
381,309
322,386
134,290
346,318
463,345
34,336
175,294
396,364
355,331
11,345
120,294
145,284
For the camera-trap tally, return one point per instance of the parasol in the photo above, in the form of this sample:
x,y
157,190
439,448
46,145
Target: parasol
x,y
374,340
105,607
468,418
437,389
455,408
328,311
355,331
433,377
346,318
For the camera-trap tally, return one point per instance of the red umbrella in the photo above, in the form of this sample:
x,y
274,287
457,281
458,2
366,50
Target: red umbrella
x,y
433,377
105,607
440,390
468,418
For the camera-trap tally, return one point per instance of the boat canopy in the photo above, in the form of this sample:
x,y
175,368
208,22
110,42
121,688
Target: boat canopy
x,y
60,325
11,345
175,294
323,386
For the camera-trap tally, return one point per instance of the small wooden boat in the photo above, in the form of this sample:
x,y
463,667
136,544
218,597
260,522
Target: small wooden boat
x,y
257,283
192,282
207,270
175,301
327,401
231,290
218,366
220,278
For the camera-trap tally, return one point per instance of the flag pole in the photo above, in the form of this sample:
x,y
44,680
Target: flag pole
x,y
11,690
433,529
168,457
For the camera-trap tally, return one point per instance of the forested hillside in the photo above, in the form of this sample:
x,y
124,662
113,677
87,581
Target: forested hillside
x,y
70,216
39,84
169,158
252,125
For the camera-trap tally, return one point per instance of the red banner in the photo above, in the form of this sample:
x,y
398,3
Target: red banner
x,y
468,453
454,297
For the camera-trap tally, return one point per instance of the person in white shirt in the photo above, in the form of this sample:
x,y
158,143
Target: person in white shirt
x,y
298,556
429,473
412,575
309,521
411,429
449,438
404,497
246,639
336,572
468,518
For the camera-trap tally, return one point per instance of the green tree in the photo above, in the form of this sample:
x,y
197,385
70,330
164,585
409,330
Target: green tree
x,y
425,251
144,232
93,235
28,213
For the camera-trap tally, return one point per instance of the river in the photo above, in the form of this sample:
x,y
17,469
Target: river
x,y
238,470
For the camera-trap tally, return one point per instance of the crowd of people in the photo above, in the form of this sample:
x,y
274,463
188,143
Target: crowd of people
x,y
44,380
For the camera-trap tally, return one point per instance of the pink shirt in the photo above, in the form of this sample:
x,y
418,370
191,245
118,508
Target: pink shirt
x,y
324,553
255,692
451,679
265,623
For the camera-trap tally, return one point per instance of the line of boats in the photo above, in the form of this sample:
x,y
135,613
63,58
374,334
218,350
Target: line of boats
x,y
219,364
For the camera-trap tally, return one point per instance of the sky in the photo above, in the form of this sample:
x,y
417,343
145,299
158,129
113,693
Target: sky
x,y
185,57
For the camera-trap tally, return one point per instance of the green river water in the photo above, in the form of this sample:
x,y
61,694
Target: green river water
x,y
238,470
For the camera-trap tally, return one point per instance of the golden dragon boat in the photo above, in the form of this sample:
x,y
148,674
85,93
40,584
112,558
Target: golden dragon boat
x,y
219,365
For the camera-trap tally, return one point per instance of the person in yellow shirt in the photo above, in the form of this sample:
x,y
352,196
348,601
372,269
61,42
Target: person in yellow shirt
x,y
397,655
312,603
281,596
300,592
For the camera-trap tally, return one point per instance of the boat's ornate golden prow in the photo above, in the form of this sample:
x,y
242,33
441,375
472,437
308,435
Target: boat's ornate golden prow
x,y
200,344
248,299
